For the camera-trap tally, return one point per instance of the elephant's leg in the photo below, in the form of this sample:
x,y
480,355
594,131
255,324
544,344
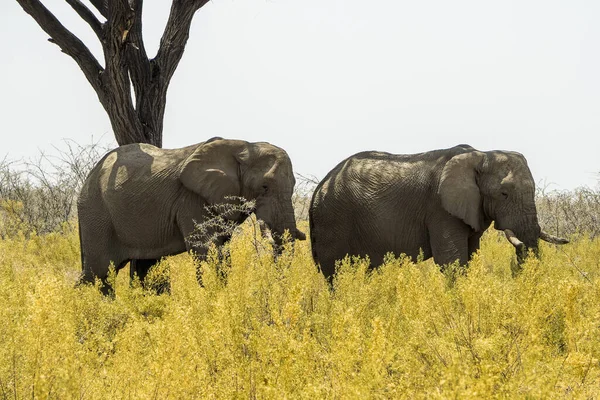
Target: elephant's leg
x,y
98,266
449,241
99,248
333,236
223,254
186,227
220,243
327,250
474,241
141,268
201,253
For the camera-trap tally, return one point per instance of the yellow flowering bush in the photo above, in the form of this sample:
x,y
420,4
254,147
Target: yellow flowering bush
x,y
259,328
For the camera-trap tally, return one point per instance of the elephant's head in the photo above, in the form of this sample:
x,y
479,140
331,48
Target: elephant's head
x,y
255,171
480,187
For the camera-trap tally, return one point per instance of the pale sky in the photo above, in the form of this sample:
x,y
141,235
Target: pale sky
x,y
325,79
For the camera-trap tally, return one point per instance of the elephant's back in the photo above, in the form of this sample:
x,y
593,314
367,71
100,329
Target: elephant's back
x,y
130,155
370,175
375,172
128,171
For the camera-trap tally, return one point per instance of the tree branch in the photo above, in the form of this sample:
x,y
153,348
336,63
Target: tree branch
x,y
69,43
175,36
88,16
139,68
149,105
101,6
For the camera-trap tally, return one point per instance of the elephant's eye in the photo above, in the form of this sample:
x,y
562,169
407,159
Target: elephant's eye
x,y
265,189
504,195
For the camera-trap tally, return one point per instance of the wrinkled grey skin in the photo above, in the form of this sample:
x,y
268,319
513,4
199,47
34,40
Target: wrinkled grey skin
x,y
140,202
439,202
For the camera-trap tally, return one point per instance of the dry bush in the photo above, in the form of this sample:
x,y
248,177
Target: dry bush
x,y
220,222
567,213
39,195
305,186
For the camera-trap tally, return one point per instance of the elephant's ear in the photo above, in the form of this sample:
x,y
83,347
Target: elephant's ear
x,y
212,170
458,188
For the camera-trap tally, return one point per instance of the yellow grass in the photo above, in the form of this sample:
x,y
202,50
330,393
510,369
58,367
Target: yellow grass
x,y
274,330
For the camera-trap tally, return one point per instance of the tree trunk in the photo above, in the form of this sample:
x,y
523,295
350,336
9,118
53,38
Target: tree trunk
x,y
135,117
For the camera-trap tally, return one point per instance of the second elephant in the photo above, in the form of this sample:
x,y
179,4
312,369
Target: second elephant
x,y
439,202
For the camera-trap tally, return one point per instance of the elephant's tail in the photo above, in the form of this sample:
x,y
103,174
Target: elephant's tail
x,y
311,223
81,277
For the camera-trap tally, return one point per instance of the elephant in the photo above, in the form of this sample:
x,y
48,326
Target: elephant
x,y
141,202
436,203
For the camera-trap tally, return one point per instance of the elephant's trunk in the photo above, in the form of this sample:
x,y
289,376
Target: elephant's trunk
x,y
278,234
289,223
523,233
279,218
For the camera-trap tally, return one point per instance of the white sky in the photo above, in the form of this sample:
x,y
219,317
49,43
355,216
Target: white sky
x,y
325,79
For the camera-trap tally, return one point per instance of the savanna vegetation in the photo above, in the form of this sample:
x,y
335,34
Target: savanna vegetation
x,y
259,328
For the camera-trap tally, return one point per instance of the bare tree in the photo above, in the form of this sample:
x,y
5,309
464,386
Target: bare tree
x,y
126,64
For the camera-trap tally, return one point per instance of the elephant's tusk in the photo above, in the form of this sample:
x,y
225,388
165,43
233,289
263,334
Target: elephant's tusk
x,y
552,239
513,239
